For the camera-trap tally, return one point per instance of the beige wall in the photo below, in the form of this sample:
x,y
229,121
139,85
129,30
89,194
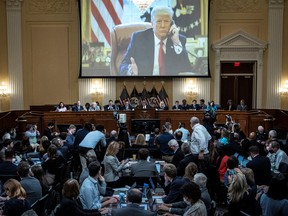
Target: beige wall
x,y
51,47
50,52
4,102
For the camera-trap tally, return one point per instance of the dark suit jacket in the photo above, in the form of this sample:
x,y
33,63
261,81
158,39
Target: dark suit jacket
x,y
261,167
107,108
178,156
185,107
143,169
172,190
175,108
194,107
131,209
141,48
242,108
75,108
184,162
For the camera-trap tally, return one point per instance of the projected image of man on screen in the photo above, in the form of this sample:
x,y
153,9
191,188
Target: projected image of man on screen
x,y
158,51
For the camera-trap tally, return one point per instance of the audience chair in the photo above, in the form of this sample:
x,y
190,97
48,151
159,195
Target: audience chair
x,y
120,38
40,206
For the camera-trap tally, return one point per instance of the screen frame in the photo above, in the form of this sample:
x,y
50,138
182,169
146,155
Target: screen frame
x,y
81,76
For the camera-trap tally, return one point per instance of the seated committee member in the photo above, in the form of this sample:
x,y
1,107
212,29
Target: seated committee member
x,y
143,168
61,107
176,106
78,107
162,106
134,199
110,106
242,106
156,51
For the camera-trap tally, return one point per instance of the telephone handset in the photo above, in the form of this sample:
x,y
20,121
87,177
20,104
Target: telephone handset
x,y
171,23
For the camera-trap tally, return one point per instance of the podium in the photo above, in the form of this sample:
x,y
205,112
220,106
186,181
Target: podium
x,y
144,113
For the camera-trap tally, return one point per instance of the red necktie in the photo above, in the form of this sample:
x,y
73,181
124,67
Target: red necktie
x,y
161,59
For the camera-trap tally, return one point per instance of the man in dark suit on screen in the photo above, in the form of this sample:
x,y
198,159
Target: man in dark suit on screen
x,y
156,51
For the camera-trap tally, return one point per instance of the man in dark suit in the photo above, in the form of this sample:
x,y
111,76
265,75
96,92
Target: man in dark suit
x,y
143,168
173,183
188,157
134,199
194,105
176,106
110,106
242,106
145,46
127,106
178,154
78,107
260,165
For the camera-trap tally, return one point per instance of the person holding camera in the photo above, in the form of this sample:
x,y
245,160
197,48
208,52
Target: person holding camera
x,y
32,133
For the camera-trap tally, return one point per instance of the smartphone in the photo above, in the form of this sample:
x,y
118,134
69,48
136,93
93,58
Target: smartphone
x,y
231,172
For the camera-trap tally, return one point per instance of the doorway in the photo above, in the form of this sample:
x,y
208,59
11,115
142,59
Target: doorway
x,y
237,82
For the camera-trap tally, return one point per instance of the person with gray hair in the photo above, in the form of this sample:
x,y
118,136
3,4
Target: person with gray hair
x,y
163,40
199,139
178,154
201,180
276,155
188,157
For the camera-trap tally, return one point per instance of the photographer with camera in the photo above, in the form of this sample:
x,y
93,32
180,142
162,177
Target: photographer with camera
x,y
32,133
229,122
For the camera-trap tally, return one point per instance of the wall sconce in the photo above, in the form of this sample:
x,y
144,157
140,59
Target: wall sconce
x,y
97,90
4,90
284,88
191,89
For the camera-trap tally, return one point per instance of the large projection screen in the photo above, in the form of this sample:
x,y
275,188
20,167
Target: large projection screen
x,y
106,31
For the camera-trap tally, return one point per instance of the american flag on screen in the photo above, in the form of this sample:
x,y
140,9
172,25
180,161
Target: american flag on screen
x,y
105,14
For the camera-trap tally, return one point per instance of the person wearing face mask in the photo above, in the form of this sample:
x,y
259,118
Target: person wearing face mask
x,y
191,204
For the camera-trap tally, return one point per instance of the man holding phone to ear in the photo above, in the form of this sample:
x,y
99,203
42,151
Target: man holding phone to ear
x,y
157,51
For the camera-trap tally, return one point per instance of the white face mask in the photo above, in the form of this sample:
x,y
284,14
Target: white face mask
x,y
186,201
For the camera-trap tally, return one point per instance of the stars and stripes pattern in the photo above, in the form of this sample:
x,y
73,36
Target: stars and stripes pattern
x,y
105,14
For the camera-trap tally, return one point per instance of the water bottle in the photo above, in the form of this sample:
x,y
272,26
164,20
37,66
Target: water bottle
x,y
145,187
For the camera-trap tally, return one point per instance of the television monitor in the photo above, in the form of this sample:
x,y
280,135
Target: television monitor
x,y
99,17
144,126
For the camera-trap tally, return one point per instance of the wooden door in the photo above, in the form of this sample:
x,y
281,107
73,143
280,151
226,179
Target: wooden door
x,y
237,83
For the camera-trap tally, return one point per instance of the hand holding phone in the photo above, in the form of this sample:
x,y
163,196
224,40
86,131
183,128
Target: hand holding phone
x,y
174,33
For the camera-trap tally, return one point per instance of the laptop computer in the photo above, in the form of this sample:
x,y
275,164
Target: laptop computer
x,y
158,189
142,205
152,200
